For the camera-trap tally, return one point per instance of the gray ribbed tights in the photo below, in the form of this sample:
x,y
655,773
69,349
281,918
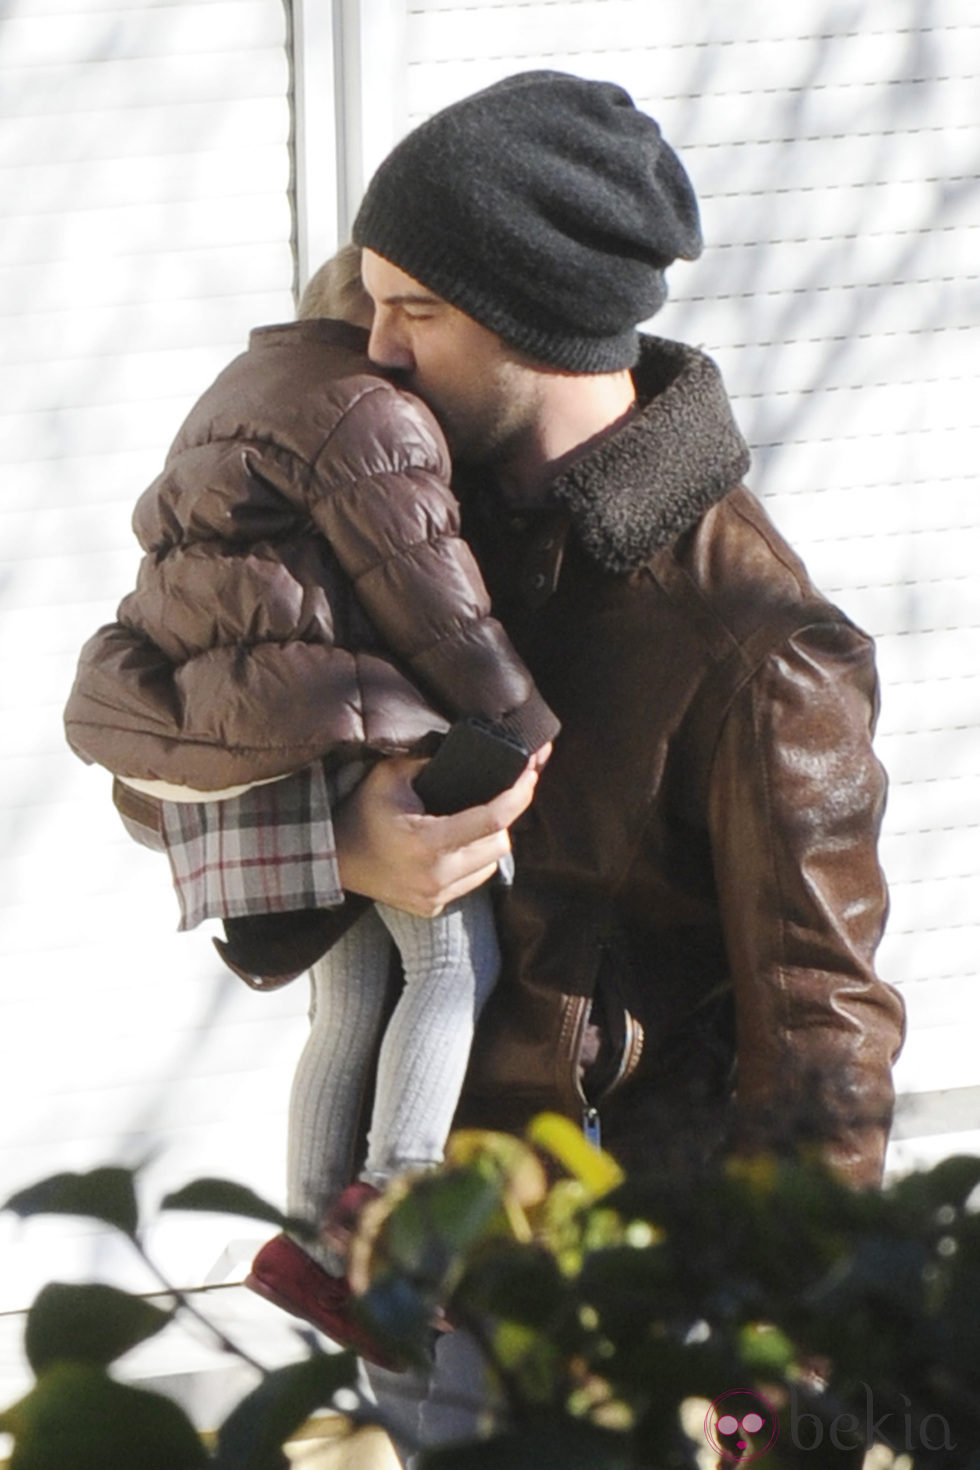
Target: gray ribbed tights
x,y
451,965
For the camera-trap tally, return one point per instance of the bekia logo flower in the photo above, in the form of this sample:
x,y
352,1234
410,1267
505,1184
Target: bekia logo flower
x,y
741,1425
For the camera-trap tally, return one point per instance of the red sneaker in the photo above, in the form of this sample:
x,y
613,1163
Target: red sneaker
x,y
284,1274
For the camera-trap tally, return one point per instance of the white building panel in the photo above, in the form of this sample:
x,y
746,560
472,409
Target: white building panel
x,y
144,228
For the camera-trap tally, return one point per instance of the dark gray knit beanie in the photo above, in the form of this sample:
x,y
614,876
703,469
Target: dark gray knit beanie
x,y
547,207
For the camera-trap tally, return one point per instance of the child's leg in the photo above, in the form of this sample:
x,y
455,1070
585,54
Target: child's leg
x,y
348,995
451,965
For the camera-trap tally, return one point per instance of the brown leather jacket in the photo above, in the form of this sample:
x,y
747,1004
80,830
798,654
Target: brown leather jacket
x,y
699,864
304,589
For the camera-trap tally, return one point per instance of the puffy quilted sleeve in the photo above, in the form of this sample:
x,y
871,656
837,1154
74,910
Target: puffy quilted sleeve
x,y
233,715
381,496
796,802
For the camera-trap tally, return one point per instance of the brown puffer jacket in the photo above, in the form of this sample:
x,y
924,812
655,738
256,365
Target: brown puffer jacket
x,y
304,589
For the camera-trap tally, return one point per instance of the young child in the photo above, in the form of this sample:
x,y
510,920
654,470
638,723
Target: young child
x,y
305,604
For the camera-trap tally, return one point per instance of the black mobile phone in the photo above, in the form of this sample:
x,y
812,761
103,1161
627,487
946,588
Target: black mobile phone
x,y
475,762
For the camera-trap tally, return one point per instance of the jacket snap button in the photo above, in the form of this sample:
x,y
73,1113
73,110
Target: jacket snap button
x,y
538,581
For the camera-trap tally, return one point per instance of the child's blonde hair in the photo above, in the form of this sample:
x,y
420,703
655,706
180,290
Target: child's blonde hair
x,y
336,290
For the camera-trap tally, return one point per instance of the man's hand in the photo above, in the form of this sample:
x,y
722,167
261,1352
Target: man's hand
x,y
390,850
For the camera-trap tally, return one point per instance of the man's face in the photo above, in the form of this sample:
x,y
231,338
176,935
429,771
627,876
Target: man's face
x,y
487,399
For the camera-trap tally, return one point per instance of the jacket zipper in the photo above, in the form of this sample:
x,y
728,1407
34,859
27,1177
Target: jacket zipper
x,y
632,1047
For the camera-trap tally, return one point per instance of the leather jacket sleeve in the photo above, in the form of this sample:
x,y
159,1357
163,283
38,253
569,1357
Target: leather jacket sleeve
x,y
796,802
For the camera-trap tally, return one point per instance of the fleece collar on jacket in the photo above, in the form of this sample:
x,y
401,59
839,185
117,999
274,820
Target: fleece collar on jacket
x,y
637,489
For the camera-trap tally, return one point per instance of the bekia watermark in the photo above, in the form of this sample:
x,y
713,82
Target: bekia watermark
x,y
742,1426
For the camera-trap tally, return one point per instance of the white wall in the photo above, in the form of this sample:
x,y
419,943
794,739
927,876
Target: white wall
x,y
145,227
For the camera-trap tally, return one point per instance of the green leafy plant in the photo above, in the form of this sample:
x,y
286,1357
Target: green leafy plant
x,y
79,1417
610,1312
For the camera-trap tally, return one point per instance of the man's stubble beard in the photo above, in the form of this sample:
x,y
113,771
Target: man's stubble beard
x,y
489,428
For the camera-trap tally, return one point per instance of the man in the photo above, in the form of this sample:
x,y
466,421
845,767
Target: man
x,y
697,879
689,940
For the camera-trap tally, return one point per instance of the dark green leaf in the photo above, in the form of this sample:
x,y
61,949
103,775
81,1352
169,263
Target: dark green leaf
x,y
252,1436
519,1282
883,1277
630,1289
657,1374
535,1367
950,1182
107,1194
78,1418
765,1349
222,1197
87,1323
443,1215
